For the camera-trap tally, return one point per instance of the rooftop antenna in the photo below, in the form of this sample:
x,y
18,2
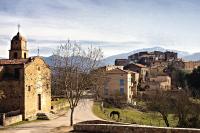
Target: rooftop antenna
x,y
18,26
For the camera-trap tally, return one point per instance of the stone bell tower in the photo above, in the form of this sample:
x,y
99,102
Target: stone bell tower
x,y
18,48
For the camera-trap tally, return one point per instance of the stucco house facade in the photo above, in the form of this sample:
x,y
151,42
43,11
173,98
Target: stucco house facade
x,y
162,82
121,84
139,68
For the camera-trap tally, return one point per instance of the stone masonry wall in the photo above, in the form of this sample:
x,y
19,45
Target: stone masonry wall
x,y
12,120
37,81
123,128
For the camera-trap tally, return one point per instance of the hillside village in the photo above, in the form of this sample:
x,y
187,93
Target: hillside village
x,y
144,73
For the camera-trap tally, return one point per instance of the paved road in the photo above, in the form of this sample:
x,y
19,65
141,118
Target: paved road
x,y
83,112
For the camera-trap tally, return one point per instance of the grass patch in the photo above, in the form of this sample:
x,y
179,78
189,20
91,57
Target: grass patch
x,y
59,101
131,115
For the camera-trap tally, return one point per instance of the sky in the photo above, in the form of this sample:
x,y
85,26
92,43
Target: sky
x,y
116,26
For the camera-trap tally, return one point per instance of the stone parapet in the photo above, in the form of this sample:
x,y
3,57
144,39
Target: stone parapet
x,y
124,128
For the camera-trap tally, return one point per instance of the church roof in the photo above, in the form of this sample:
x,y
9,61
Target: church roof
x,y
20,61
137,64
120,71
13,62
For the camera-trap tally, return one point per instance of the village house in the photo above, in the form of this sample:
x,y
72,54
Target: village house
x,y
120,84
162,82
121,62
25,81
147,58
187,66
111,67
139,68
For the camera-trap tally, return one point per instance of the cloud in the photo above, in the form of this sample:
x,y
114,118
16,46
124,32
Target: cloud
x,y
113,25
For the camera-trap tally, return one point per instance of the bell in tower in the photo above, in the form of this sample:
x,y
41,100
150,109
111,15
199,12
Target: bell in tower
x,y
18,48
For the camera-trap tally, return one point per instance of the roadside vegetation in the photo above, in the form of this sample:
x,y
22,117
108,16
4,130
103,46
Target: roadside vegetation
x,y
134,116
60,104
159,109
58,101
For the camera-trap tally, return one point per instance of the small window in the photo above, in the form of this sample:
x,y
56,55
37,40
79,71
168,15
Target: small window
x,y
105,91
121,82
106,84
121,91
29,88
38,68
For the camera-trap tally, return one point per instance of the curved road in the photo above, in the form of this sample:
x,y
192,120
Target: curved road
x,y
82,112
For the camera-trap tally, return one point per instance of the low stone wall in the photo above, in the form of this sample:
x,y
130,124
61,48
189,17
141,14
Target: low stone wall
x,y
12,120
103,122
124,128
60,106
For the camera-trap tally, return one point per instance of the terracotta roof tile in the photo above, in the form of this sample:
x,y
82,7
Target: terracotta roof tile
x,y
139,65
15,61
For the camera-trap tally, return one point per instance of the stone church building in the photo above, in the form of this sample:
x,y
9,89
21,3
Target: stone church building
x,y
25,81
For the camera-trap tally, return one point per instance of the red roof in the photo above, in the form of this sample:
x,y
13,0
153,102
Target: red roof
x,y
15,61
125,71
18,61
140,65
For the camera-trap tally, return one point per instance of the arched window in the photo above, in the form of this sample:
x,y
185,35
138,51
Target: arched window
x,y
15,55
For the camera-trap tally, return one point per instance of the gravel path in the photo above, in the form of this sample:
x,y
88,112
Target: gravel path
x,y
82,112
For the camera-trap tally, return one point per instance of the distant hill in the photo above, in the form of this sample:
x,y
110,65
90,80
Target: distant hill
x,y
193,57
111,59
50,60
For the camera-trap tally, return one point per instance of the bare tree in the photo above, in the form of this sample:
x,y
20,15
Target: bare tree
x,y
182,107
160,102
98,82
72,71
179,103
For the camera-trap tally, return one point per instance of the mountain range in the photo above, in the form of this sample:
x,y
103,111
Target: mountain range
x,y
193,57
111,59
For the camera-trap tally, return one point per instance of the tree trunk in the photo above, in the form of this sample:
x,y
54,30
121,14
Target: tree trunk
x,y
71,117
182,121
166,120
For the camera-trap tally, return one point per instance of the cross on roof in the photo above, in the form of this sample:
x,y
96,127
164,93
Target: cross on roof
x,y
18,26
38,51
